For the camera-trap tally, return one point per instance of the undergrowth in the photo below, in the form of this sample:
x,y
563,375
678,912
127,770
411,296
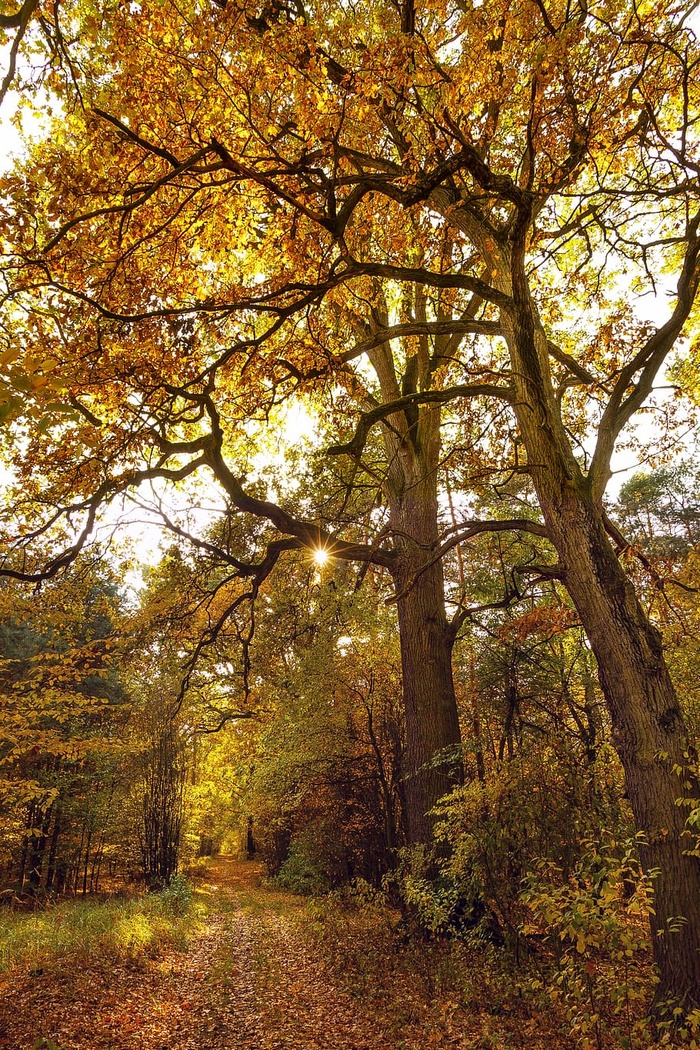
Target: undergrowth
x,y
121,929
450,989
585,980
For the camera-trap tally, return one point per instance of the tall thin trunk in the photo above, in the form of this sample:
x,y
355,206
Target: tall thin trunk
x,y
387,800
87,860
79,857
476,723
53,849
29,823
37,849
96,861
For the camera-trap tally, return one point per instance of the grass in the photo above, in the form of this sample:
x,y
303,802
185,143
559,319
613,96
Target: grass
x,y
122,929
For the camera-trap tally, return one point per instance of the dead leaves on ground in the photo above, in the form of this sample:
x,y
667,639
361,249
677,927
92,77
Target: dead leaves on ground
x,y
263,976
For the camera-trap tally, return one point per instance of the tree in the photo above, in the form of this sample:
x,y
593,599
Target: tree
x,y
661,511
326,754
246,201
62,706
163,783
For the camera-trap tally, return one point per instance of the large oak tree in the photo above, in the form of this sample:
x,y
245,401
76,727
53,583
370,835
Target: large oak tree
x,y
244,200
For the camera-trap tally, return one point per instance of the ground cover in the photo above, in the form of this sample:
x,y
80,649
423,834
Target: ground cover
x,y
249,966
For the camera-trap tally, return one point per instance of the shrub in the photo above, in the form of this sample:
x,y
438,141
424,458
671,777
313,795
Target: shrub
x,y
177,896
595,924
302,873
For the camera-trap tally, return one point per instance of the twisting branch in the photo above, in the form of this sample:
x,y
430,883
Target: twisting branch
x,y
134,137
417,328
467,530
102,496
19,21
647,362
20,17
224,718
431,279
581,374
309,534
355,447
128,206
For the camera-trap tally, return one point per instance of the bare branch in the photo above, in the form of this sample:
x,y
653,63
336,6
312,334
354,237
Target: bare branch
x,y
467,530
622,406
19,21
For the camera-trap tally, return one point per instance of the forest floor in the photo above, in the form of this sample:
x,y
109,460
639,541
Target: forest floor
x,y
267,970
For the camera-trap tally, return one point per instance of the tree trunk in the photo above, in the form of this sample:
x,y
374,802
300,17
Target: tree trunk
x,y
387,800
53,849
87,860
433,759
37,849
648,733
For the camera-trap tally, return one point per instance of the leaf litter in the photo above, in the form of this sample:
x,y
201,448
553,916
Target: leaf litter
x,y
257,976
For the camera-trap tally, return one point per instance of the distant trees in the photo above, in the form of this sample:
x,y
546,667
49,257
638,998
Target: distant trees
x,y
660,511
163,783
325,768
62,706
92,756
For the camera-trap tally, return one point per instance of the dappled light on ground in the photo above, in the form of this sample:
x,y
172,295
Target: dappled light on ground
x,y
263,970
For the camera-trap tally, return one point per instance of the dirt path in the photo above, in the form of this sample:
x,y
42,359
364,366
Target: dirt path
x,y
258,976
249,981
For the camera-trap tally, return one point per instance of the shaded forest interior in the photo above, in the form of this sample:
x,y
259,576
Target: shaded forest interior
x,y
113,783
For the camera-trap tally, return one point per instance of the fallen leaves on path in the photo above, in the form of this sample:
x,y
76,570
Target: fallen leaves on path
x,y
257,977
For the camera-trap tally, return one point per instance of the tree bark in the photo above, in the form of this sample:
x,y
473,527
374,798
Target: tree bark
x,y
53,848
649,732
433,760
649,735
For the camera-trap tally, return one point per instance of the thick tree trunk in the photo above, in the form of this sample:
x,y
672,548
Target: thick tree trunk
x,y
433,760
648,727
649,735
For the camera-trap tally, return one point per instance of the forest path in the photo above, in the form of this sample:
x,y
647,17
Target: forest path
x,y
268,970
248,981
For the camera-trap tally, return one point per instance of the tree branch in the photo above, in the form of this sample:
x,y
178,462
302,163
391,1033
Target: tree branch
x,y
648,361
434,328
368,419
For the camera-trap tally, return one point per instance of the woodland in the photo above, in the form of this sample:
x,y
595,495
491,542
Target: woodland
x,y
350,516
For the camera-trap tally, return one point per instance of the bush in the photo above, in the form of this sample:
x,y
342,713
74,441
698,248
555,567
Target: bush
x,y
177,896
596,925
431,895
302,873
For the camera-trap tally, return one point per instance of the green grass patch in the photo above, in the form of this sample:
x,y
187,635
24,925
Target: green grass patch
x,y
87,929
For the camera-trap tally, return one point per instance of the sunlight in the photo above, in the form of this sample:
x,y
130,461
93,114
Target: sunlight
x,y
320,556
